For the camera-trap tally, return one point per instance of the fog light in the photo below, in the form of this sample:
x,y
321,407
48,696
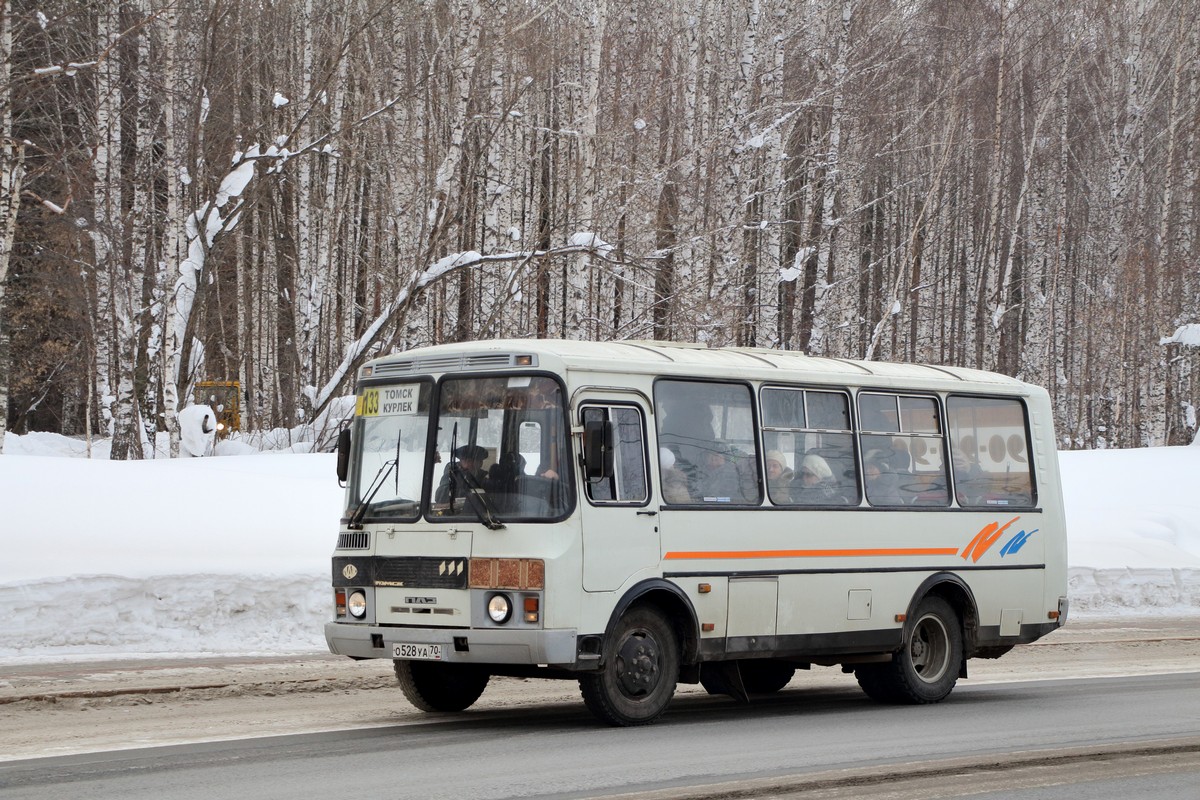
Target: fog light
x,y
499,609
357,603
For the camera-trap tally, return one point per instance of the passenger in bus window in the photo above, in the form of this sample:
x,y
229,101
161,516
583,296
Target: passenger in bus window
x,y
674,482
779,477
970,484
814,486
882,484
717,481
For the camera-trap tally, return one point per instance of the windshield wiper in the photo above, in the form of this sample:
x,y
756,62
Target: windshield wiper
x,y
476,496
385,469
356,518
477,499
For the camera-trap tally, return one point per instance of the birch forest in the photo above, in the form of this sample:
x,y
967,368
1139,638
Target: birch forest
x,y
273,191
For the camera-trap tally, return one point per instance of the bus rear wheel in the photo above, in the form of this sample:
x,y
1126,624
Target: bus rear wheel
x,y
641,668
437,686
926,668
765,676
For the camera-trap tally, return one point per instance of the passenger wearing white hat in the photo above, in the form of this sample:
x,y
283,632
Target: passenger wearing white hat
x,y
779,478
814,484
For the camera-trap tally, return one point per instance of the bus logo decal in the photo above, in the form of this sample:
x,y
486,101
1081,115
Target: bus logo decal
x,y
1016,543
984,540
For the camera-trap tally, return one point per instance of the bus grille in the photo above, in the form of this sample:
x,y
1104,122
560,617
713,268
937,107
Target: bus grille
x,y
428,573
360,540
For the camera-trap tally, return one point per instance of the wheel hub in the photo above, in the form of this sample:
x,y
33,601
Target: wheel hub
x,y
637,665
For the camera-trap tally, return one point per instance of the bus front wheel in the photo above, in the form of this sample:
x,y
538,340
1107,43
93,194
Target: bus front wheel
x,y
926,668
641,668
437,686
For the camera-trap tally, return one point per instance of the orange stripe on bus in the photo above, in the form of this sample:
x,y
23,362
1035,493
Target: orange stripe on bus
x,y
860,553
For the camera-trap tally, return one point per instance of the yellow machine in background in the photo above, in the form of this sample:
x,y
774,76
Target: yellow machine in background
x,y
225,398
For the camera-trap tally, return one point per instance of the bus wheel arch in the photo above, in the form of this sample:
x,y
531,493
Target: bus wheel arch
x,y
939,624
675,607
954,590
639,669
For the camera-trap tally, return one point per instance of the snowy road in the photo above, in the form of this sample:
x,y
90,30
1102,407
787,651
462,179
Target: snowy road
x,y
1064,727
274,728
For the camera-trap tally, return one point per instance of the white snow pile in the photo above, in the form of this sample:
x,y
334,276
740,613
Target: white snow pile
x,y
230,555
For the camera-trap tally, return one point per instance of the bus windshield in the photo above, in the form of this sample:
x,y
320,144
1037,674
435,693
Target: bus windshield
x,y
501,441
393,430
499,452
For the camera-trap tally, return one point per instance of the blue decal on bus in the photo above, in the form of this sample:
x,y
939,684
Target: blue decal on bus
x,y
1016,542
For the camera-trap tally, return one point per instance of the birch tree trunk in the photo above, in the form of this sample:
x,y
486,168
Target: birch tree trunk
x,y
12,171
825,283
579,323
309,274
106,204
128,292
987,345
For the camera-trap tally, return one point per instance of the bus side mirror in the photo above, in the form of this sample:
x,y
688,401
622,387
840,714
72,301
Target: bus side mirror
x,y
597,449
343,455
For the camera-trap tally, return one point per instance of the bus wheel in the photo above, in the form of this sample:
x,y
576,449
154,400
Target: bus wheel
x,y
766,676
436,686
641,668
926,668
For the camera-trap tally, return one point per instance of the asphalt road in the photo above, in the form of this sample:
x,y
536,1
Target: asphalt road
x,y
1093,737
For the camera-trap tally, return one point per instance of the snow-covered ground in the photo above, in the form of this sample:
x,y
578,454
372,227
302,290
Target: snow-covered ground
x,y
230,555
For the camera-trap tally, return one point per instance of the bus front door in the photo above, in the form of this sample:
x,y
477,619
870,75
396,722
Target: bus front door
x,y
620,527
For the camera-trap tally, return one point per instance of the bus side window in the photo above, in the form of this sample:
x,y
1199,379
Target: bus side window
x,y
990,451
708,429
627,483
809,430
902,450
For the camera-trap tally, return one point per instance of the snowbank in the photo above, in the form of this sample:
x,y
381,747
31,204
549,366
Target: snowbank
x,y
231,555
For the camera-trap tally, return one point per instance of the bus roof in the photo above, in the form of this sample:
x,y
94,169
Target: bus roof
x,y
672,358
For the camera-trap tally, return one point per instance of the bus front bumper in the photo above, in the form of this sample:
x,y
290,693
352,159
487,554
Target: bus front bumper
x,y
457,645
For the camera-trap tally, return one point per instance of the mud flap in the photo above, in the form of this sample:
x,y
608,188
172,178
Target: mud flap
x,y
724,677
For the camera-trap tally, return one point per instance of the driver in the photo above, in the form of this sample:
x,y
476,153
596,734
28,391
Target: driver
x,y
466,470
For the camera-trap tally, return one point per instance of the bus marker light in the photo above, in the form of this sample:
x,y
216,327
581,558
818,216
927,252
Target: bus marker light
x,y
901,617
1053,615
531,609
339,602
707,627
704,588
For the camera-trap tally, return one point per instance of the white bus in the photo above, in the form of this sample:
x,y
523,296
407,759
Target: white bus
x,y
633,515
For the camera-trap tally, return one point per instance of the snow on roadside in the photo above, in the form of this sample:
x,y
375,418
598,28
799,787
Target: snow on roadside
x,y
179,615
230,555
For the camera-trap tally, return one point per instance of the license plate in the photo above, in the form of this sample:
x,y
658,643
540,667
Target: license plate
x,y
417,652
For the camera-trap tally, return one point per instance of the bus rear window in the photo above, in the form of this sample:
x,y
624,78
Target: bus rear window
x,y
989,451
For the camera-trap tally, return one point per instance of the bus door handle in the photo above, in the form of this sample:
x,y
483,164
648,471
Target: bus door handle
x,y
647,513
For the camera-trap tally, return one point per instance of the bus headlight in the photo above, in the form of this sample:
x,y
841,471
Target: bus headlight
x,y
357,604
499,609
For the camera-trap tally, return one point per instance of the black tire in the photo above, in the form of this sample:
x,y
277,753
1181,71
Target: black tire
x,y
437,686
926,668
639,673
766,676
